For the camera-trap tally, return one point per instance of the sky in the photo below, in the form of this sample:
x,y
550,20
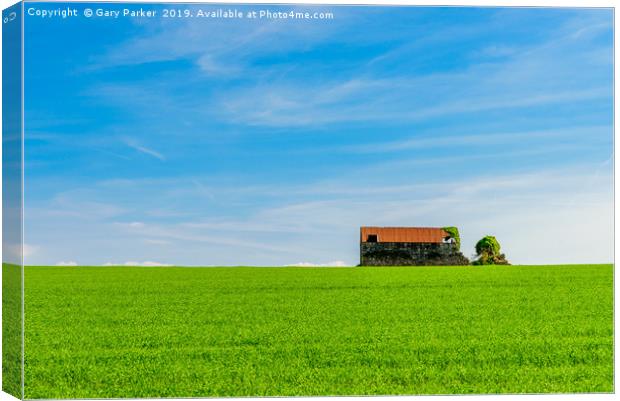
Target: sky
x,y
202,142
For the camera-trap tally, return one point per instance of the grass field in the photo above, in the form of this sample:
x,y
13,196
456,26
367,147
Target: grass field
x,y
12,329
162,332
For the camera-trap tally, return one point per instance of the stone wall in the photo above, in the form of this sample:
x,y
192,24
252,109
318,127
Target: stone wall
x,y
410,254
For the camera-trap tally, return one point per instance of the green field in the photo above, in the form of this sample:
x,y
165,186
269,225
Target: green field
x,y
162,332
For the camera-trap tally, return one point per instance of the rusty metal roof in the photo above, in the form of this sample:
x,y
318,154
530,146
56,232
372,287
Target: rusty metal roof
x,y
404,234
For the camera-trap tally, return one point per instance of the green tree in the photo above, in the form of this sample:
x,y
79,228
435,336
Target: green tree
x,y
488,252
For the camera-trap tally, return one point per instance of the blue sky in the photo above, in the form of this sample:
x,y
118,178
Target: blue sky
x,y
270,142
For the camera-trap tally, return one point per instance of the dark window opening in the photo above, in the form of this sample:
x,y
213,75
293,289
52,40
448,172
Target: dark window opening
x,y
371,238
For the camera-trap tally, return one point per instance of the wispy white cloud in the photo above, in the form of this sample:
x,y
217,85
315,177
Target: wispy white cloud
x,y
336,263
143,149
226,238
69,263
398,100
76,204
486,139
209,65
229,50
156,241
528,77
133,263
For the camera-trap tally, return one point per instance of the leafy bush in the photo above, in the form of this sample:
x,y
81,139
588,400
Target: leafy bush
x,y
454,233
487,252
488,244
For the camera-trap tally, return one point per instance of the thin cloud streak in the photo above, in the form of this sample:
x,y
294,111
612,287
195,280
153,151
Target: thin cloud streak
x,y
145,150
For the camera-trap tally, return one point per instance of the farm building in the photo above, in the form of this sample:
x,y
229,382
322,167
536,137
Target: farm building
x,y
409,246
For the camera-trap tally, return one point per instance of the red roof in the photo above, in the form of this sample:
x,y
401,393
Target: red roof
x,y
404,234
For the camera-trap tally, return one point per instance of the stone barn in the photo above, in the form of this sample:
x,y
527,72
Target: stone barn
x,y
408,246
